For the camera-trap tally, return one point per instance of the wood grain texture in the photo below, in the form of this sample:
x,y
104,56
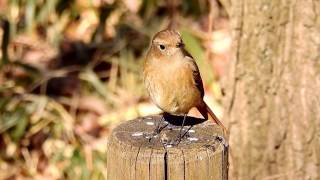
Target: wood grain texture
x,y
202,154
272,102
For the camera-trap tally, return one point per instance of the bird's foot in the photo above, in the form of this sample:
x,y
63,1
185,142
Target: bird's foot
x,y
182,134
150,136
155,133
158,130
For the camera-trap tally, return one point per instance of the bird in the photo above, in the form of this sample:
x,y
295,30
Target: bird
x,y
172,77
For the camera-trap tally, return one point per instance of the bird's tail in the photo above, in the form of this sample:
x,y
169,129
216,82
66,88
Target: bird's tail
x,y
204,109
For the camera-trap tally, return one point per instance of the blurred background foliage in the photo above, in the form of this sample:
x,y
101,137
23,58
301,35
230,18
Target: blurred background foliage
x,y
70,70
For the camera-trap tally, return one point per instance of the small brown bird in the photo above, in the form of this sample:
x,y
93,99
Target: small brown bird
x,y
172,77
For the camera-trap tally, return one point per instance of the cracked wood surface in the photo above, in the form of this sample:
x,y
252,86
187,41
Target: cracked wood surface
x,y
202,154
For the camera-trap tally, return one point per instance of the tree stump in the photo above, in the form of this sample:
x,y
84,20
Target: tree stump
x,y
133,154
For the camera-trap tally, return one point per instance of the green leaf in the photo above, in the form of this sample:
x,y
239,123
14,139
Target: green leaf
x,y
20,128
78,161
92,78
46,10
11,119
30,14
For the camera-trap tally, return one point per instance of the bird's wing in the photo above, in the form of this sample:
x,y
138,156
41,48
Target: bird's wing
x,y
196,73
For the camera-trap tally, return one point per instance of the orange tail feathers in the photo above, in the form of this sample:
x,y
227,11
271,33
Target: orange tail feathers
x,y
205,110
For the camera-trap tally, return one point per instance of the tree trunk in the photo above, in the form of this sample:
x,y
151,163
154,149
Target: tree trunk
x,y
273,90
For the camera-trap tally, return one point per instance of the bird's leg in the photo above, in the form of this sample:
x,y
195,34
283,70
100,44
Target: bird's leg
x,y
180,136
159,128
185,133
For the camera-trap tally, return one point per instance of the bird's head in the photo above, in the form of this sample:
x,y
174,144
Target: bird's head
x,y
166,43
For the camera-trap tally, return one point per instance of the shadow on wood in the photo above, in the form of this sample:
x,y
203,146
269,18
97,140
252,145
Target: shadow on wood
x,y
134,154
177,120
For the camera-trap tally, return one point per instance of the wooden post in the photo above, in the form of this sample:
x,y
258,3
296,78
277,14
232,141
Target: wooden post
x,y
201,154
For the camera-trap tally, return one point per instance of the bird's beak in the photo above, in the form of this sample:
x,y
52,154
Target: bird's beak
x,y
180,45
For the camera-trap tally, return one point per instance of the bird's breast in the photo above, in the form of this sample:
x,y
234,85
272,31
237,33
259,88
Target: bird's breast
x,y
172,87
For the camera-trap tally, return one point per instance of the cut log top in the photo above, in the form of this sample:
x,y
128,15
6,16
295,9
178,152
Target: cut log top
x,y
134,154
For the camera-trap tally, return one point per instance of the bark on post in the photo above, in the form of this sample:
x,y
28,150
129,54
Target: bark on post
x,y
273,90
202,155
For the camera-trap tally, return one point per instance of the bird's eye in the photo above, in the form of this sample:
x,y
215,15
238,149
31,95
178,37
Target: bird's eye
x,y
162,47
